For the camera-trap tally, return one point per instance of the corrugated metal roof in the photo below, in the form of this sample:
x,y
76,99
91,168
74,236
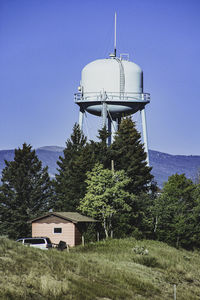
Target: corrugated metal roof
x,y
70,216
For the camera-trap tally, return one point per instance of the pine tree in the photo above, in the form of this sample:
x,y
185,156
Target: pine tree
x,y
24,194
100,149
70,183
79,157
129,155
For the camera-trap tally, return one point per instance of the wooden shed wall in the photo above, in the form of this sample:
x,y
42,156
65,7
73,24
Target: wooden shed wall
x,y
45,227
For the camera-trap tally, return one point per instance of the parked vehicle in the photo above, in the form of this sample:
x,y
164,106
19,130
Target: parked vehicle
x,y
43,243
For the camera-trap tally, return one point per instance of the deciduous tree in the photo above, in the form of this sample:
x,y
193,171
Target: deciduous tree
x,y
174,212
106,195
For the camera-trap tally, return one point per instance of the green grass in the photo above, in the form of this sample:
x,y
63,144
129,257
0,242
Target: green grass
x,y
106,270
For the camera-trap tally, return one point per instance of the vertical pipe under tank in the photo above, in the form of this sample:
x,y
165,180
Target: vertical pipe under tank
x,y
104,112
114,129
109,131
144,130
81,116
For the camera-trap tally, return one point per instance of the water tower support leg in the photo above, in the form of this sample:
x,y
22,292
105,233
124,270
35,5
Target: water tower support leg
x,y
104,114
114,129
144,129
110,131
81,116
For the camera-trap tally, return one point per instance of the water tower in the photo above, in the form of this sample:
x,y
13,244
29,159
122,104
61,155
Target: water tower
x,y
112,88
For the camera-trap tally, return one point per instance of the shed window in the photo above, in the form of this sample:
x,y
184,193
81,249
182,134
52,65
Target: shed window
x,y
57,230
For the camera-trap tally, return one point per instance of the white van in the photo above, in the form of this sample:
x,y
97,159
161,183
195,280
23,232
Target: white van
x,y
43,243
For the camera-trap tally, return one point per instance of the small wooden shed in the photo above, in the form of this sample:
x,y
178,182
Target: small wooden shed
x,y
61,226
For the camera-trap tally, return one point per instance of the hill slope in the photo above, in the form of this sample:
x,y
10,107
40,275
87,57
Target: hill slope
x,y
163,164
112,269
48,155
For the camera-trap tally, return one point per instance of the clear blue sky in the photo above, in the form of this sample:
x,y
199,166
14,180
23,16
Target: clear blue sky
x,y
44,44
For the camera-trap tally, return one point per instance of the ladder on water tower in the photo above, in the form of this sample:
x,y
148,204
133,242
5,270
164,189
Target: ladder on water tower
x,y
121,77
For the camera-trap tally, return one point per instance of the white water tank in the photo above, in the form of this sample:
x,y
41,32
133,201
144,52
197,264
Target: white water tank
x,y
112,75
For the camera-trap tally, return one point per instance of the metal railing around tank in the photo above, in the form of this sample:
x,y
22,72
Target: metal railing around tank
x,y
112,96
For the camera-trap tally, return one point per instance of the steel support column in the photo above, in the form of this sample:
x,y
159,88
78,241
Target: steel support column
x,y
81,117
104,114
144,129
114,129
109,130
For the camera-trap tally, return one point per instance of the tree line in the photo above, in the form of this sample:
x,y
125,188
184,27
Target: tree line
x,y
113,184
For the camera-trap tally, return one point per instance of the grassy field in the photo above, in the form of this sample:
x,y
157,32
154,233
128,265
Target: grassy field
x,y
113,269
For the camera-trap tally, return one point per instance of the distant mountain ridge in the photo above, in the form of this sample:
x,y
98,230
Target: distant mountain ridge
x,y
48,155
164,165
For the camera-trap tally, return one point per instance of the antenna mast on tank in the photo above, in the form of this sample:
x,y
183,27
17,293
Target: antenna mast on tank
x,y
115,36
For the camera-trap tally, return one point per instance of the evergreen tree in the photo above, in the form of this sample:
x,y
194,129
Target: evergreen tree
x,y
129,155
70,183
100,149
79,157
24,194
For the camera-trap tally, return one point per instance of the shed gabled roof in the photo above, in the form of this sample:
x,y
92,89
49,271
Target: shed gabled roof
x,y
74,217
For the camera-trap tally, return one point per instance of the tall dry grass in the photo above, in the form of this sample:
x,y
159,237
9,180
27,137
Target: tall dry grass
x,y
109,269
